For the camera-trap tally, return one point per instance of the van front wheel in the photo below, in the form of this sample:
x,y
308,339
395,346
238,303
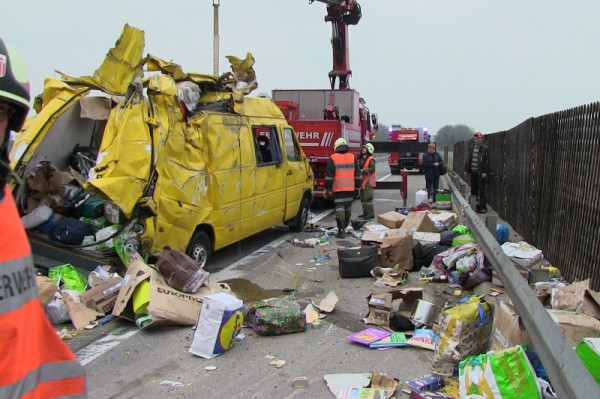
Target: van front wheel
x,y
199,248
299,221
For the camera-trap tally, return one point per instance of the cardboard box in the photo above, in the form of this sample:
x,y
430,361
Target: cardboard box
x,y
419,221
380,305
427,238
166,305
448,219
103,296
524,256
508,329
391,219
380,309
376,237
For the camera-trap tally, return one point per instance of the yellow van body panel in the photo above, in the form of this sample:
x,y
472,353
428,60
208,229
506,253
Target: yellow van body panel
x,y
57,98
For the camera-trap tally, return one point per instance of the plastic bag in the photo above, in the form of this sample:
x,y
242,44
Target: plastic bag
x,y
463,239
462,330
507,374
275,316
221,320
68,274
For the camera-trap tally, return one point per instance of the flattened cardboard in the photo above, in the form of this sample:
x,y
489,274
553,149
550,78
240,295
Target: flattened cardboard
x,y
508,330
327,304
167,305
80,314
575,326
391,219
103,296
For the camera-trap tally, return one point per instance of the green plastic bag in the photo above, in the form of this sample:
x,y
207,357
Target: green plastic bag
x,y
68,274
463,239
506,374
461,229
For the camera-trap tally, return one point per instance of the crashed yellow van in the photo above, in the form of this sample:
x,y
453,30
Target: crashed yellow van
x,y
186,160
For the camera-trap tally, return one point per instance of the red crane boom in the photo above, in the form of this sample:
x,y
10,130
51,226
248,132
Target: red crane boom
x,y
340,13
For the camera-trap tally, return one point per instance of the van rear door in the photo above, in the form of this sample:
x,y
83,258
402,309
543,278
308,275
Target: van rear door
x,y
296,173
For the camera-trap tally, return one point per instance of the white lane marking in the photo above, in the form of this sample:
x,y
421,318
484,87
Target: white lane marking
x,y
385,177
232,270
102,346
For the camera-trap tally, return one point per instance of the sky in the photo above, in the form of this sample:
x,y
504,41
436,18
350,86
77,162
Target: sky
x,y
487,64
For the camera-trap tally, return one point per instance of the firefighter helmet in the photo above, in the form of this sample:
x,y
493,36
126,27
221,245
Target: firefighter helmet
x,y
14,85
339,142
370,148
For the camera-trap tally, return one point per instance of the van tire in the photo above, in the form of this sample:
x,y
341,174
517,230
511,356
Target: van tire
x,y
199,248
301,218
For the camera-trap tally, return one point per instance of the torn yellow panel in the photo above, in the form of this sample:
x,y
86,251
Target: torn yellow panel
x,y
155,64
124,157
121,66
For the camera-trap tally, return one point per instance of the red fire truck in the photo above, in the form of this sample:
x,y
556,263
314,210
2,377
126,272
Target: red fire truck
x,y
321,116
406,160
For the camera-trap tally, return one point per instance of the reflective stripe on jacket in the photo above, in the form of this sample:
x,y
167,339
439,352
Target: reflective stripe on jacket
x,y
370,178
36,363
344,172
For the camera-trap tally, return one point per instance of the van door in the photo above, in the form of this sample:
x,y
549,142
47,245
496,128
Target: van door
x,y
296,173
270,178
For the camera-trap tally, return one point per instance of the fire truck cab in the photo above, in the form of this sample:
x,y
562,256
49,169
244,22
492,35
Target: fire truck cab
x,y
406,160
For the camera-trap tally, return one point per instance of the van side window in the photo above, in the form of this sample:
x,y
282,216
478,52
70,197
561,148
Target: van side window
x,y
268,148
292,151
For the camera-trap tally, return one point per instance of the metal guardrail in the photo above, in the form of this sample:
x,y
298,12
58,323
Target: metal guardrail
x,y
569,377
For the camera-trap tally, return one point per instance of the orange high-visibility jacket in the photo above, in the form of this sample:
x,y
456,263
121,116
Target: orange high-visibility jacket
x,y
35,363
371,178
344,172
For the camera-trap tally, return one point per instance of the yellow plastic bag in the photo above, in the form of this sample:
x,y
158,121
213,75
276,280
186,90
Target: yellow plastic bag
x,y
462,330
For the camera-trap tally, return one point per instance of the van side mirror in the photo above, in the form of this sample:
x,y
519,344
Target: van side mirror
x,y
374,121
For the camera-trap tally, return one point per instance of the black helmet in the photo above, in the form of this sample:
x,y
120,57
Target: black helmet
x,y
14,85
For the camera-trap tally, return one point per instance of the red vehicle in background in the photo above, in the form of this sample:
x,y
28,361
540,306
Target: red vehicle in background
x,y
406,160
321,116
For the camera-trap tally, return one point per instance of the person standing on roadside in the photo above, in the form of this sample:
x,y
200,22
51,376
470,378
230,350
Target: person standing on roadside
x,y
478,167
369,180
36,363
432,163
342,173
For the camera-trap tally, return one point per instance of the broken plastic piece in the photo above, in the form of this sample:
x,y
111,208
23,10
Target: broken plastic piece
x,y
300,382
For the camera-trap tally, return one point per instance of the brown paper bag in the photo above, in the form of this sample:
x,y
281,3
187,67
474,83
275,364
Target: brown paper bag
x,y
397,249
46,288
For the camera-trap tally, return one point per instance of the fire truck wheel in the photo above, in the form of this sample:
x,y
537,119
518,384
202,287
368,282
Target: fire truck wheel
x,y
199,248
299,221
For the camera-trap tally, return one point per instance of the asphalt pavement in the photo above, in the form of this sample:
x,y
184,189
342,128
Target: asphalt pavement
x,y
124,362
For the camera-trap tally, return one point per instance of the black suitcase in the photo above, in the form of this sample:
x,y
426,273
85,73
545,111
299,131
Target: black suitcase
x,y
357,262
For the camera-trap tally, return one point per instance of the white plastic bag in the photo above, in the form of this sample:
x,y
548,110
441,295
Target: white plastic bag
x,y
221,319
